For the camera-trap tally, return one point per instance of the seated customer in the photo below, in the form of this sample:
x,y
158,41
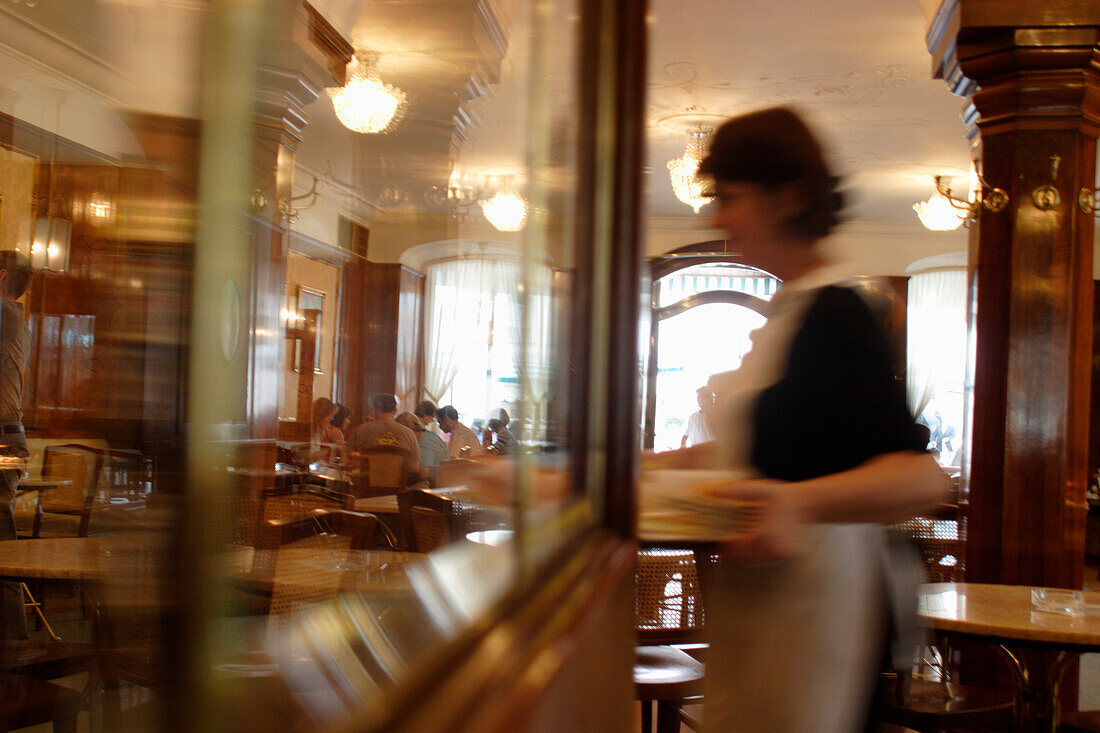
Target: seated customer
x,y
503,442
432,449
426,410
464,442
383,430
323,434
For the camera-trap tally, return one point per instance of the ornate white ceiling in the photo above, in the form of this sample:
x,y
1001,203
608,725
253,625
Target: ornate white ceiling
x,y
858,69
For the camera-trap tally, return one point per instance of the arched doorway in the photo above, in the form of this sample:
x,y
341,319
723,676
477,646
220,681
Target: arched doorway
x,y
704,306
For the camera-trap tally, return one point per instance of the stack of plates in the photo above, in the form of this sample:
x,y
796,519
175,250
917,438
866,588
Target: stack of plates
x,y
686,505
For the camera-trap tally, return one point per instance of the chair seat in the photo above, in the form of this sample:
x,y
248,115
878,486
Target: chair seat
x,y
1083,721
666,673
933,705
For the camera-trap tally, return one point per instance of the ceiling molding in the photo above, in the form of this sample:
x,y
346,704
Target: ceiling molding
x,y
58,57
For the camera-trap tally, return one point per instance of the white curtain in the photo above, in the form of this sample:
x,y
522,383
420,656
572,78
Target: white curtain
x,y
936,333
453,293
474,335
537,362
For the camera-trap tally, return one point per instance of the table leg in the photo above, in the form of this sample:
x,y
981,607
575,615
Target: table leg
x,y
1038,702
33,604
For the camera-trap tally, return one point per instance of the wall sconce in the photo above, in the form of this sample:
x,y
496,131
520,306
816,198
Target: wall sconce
x,y
50,246
982,195
1046,197
1087,200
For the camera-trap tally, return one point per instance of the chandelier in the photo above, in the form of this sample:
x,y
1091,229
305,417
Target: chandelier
x,y
506,210
682,171
366,104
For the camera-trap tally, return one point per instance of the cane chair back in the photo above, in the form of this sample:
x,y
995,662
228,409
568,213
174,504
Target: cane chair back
x,y
667,610
386,468
939,543
80,467
285,506
428,521
667,604
456,472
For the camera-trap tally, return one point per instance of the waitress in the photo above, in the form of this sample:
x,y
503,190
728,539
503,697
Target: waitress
x,y
817,421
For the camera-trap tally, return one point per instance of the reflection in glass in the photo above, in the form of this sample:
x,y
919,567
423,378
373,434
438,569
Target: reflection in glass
x,y
213,252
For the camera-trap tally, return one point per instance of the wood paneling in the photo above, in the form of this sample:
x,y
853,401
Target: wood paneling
x,y
410,317
380,327
1038,96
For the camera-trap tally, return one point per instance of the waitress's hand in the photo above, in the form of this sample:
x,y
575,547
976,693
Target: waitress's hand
x,y
777,522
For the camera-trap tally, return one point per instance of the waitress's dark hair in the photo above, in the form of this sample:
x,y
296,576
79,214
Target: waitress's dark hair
x,y
773,147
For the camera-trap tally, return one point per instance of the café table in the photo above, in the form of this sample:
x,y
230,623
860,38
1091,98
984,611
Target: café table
x,y
62,558
40,483
1004,616
57,558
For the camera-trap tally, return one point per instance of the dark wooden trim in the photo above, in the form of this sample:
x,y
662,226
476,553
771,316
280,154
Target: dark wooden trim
x,y
334,47
613,43
733,297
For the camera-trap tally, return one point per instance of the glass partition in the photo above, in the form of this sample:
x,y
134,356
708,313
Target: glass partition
x,y
260,236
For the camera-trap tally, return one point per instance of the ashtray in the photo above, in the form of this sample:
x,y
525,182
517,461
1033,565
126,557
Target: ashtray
x,y
1058,601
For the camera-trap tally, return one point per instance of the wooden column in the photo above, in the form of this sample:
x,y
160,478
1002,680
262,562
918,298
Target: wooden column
x,y
1037,74
380,334
304,55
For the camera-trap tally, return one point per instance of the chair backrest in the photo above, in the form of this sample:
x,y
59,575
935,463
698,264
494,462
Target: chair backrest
x,y
386,467
668,606
456,472
314,571
81,467
284,507
356,530
939,544
428,521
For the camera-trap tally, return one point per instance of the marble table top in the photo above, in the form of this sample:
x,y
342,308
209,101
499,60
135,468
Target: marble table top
x,y
39,482
62,558
1006,612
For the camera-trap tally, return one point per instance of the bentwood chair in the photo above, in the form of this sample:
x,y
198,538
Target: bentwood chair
x,y
667,611
428,521
80,466
315,573
456,472
929,701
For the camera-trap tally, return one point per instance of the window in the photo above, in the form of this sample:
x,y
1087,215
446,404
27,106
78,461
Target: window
x,y
937,358
476,343
705,323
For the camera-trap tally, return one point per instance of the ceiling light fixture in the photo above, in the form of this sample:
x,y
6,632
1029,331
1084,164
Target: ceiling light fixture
x,y
506,210
682,171
366,104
